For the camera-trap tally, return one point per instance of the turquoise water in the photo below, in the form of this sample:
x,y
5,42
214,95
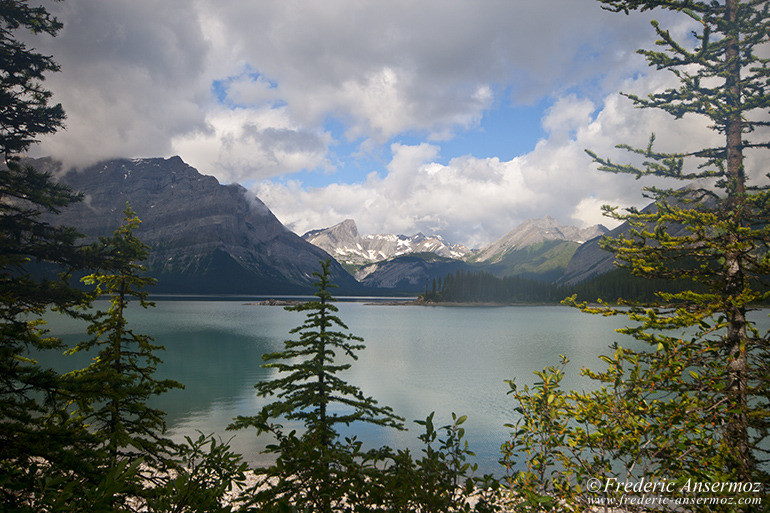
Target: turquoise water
x,y
417,360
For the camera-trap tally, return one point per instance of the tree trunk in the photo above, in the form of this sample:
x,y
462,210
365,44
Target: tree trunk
x,y
325,441
737,430
117,366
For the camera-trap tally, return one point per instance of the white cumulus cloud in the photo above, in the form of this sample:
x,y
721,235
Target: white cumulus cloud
x,y
255,91
242,144
139,76
476,200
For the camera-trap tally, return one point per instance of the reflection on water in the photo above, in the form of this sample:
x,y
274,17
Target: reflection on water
x,y
417,360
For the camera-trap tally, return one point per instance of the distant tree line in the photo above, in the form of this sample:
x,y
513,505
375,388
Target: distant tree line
x,y
482,287
464,286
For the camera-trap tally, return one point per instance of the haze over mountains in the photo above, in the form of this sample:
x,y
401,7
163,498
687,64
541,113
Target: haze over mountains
x,y
209,238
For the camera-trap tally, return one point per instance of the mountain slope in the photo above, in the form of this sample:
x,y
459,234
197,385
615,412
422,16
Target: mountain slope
x,y
408,273
590,260
344,243
544,261
534,231
204,237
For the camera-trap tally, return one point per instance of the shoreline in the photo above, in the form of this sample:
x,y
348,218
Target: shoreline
x,y
482,304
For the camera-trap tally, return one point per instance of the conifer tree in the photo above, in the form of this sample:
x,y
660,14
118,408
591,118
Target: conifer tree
x,y
25,112
36,436
724,244
315,469
42,459
113,391
693,404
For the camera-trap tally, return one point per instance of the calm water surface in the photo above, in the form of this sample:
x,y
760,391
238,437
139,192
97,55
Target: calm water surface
x,y
417,360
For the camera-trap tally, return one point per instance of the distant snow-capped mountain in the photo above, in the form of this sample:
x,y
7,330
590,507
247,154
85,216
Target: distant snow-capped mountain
x,y
535,231
346,245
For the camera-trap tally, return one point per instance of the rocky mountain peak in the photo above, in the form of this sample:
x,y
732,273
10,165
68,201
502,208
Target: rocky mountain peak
x,y
346,245
535,231
349,225
341,234
205,237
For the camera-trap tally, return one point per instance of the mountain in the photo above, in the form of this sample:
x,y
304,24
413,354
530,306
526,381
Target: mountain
x,y
205,237
539,249
590,260
408,273
542,261
347,246
532,232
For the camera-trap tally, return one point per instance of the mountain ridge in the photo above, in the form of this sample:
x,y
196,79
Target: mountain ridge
x,y
534,231
538,248
205,237
347,246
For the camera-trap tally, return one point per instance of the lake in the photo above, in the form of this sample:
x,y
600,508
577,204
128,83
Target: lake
x,y
417,360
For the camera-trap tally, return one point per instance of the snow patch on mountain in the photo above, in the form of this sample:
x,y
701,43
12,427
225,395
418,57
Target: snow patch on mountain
x,y
343,242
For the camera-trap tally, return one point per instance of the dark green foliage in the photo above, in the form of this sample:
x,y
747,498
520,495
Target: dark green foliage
x,y
442,480
314,470
60,493
307,476
111,394
540,438
619,284
482,287
24,109
690,400
24,194
44,462
444,477
207,473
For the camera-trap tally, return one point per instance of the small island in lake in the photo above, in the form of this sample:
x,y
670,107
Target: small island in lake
x,y
275,302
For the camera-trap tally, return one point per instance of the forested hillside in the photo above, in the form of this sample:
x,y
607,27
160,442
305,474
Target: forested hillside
x,y
482,287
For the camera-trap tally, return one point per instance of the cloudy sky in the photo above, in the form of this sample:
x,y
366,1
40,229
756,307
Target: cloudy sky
x,y
456,117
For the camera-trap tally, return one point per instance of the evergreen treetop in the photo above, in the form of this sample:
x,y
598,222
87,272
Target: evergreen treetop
x,y
24,103
690,399
113,391
315,471
715,232
308,388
